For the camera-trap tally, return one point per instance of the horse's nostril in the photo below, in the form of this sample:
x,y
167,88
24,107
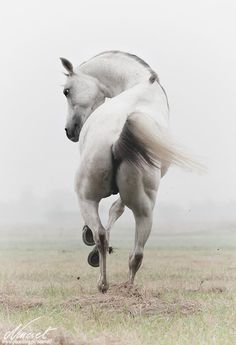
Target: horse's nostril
x,y
71,133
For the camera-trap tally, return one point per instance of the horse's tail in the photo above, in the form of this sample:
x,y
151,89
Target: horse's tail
x,y
143,141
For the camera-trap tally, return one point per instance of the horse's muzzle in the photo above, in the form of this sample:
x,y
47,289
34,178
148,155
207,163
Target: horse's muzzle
x,y
73,134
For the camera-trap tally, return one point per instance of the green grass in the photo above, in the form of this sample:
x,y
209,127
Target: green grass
x,y
182,295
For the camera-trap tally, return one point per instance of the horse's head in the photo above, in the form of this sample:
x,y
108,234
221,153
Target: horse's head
x,y
84,94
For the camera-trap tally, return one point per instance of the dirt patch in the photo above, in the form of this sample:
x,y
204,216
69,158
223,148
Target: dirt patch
x,y
121,298
133,301
215,289
19,303
203,287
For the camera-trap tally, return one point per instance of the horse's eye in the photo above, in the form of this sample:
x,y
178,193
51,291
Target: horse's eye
x,y
66,92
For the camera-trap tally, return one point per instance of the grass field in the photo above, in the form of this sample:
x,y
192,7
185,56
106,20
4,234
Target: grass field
x,y
183,294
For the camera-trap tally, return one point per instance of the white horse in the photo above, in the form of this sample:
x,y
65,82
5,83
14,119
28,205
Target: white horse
x,y
125,146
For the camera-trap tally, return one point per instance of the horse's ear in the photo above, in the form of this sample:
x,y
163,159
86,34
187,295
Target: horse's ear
x,y
68,66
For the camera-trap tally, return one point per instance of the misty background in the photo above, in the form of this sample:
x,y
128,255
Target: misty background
x,y
191,45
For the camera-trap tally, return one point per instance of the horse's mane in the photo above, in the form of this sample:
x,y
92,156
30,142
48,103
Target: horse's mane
x,y
132,56
154,75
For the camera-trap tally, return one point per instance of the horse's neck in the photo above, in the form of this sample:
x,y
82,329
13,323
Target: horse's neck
x,y
117,72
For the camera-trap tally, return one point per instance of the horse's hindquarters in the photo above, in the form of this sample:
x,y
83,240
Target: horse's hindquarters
x,y
138,189
138,186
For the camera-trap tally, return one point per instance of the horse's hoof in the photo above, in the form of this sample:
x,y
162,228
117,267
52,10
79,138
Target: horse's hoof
x,y
103,287
93,258
87,236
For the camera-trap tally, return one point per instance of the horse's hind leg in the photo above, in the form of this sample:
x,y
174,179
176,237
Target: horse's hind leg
x,y
138,188
89,210
143,228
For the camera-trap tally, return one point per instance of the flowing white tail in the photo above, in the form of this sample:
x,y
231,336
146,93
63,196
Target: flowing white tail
x,y
142,140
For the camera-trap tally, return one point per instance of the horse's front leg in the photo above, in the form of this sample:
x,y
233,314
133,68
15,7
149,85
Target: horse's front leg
x,y
89,210
116,210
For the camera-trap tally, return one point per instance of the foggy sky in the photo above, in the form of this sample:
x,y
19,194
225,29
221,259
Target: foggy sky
x,y
190,44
